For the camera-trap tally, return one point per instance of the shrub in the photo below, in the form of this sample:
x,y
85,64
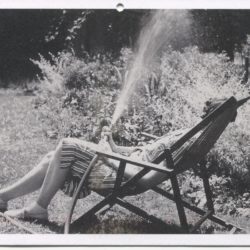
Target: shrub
x,y
170,97
77,113
76,93
66,71
52,72
191,78
187,80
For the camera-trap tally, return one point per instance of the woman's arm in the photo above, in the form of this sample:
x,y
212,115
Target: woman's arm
x,y
115,148
149,180
121,149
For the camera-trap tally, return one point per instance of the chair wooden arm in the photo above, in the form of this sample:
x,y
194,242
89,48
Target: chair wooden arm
x,y
139,163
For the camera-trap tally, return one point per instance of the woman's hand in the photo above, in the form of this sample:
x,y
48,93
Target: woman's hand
x,y
104,143
106,134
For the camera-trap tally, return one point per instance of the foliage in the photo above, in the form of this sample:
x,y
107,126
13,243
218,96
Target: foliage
x,y
164,102
220,30
25,33
186,82
76,93
67,71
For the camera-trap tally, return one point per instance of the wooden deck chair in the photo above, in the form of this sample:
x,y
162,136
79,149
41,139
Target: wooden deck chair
x,y
180,157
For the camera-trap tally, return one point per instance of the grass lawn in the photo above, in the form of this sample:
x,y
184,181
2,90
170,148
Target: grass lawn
x,y
23,142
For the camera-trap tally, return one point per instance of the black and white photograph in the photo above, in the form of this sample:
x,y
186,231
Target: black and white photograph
x,y
124,121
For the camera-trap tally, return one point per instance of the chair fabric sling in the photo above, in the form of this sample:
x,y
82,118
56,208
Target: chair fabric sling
x,y
185,153
195,151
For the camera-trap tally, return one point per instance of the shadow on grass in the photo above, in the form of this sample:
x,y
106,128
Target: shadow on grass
x,y
116,224
95,225
51,225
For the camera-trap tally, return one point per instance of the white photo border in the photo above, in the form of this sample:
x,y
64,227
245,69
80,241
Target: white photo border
x,y
128,4
98,240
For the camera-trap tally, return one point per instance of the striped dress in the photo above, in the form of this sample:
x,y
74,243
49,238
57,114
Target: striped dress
x,y
77,154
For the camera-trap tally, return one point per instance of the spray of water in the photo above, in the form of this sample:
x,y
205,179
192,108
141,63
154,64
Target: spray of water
x,y
162,28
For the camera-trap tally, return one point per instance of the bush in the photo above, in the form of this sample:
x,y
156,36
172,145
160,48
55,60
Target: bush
x,y
186,82
52,72
66,71
76,93
191,78
79,92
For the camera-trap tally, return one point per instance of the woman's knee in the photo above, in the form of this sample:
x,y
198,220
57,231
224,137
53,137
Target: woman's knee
x,y
46,160
63,142
49,155
66,141
72,143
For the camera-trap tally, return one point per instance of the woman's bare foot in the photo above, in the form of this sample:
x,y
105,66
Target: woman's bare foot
x,y
34,211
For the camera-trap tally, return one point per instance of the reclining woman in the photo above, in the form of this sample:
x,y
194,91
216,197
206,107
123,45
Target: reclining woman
x,y
64,167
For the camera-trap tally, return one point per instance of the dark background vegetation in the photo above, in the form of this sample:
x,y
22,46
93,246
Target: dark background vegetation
x,y
25,33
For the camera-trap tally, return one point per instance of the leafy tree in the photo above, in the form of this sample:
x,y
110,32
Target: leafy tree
x,y
220,30
25,33
22,35
97,30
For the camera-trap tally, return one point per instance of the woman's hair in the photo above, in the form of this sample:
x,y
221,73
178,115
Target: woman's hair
x,y
212,104
104,122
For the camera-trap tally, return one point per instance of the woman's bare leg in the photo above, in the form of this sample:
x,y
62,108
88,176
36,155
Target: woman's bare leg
x,y
29,183
54,179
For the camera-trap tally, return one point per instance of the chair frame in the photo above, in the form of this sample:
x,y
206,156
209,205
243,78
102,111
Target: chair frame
x,y
122,189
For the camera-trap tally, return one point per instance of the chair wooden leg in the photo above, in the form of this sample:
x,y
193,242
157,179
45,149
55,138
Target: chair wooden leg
x,y
119,177
176,192
92,211
143,214
198,210
179,205
208,191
